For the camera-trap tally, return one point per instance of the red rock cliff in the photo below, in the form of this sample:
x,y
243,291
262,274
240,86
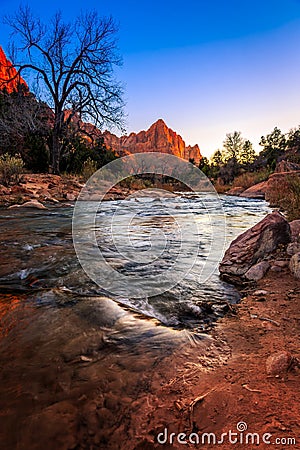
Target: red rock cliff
x,y
7,72
158,138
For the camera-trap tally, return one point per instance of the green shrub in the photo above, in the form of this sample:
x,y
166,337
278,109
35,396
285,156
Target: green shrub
x,y
89,167
284,192
11,168
248,179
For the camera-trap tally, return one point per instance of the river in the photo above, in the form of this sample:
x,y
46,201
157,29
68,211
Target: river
x,y
66,341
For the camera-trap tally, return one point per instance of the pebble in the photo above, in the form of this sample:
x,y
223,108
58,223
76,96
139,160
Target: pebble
x,y
260,293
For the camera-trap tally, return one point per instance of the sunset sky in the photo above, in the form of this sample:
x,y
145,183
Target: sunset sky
x,y
206,67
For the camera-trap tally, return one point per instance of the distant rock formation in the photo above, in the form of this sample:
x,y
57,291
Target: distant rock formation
x,y
158,138
8,72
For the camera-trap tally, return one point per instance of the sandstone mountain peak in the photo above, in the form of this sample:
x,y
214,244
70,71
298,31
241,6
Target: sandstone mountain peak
x,y
7,72
158,138
159,122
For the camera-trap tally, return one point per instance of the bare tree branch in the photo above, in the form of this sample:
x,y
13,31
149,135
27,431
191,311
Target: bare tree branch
x,y
73,65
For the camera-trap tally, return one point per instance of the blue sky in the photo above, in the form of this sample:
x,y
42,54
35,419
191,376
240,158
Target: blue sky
x,y
206,67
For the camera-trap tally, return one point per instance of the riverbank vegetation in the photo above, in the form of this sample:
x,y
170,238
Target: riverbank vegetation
x,y
58,131
238,166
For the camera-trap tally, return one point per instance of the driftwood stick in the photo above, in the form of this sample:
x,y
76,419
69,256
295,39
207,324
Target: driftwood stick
x,y
199,399
255,316
245,386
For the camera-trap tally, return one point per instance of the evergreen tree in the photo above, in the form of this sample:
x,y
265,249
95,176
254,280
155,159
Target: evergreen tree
x,y
247,154
274,146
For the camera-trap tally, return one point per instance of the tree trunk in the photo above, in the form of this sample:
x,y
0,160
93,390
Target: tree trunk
x,y
56,150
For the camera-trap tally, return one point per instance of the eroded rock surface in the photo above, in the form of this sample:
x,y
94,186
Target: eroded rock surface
x,y
254,246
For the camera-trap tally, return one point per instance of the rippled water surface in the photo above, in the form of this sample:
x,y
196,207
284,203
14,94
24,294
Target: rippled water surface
x,y
38,256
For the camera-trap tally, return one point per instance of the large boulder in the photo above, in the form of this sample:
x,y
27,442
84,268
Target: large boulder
x,y
256,191
253,246
236,191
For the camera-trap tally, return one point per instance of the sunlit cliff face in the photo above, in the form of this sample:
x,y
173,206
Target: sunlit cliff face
x,y
8,72
158,138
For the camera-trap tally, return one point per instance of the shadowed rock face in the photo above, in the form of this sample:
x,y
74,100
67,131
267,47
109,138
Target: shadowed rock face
x,y
158,138
7,72
253,246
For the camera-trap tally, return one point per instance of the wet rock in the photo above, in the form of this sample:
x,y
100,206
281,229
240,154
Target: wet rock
x,y
278,363
253,246
31,204
71,197
235,191
112,402
258,271
256,191
57,424
295,265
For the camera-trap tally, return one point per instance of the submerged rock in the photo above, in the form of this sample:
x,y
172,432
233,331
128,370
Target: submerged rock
x,y
252,247
31,204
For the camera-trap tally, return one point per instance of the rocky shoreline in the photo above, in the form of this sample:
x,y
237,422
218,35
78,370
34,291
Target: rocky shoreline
x,y
246,371
272,244
38,190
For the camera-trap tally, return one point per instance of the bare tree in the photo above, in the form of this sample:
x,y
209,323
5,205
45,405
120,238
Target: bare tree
x,y
21,115
72,65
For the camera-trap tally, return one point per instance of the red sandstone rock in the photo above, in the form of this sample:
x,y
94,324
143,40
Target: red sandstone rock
x,y
256,191
8,72
235,191
253,246
278,363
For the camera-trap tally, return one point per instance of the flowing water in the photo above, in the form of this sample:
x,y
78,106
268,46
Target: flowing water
x,y
63,336
38,254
